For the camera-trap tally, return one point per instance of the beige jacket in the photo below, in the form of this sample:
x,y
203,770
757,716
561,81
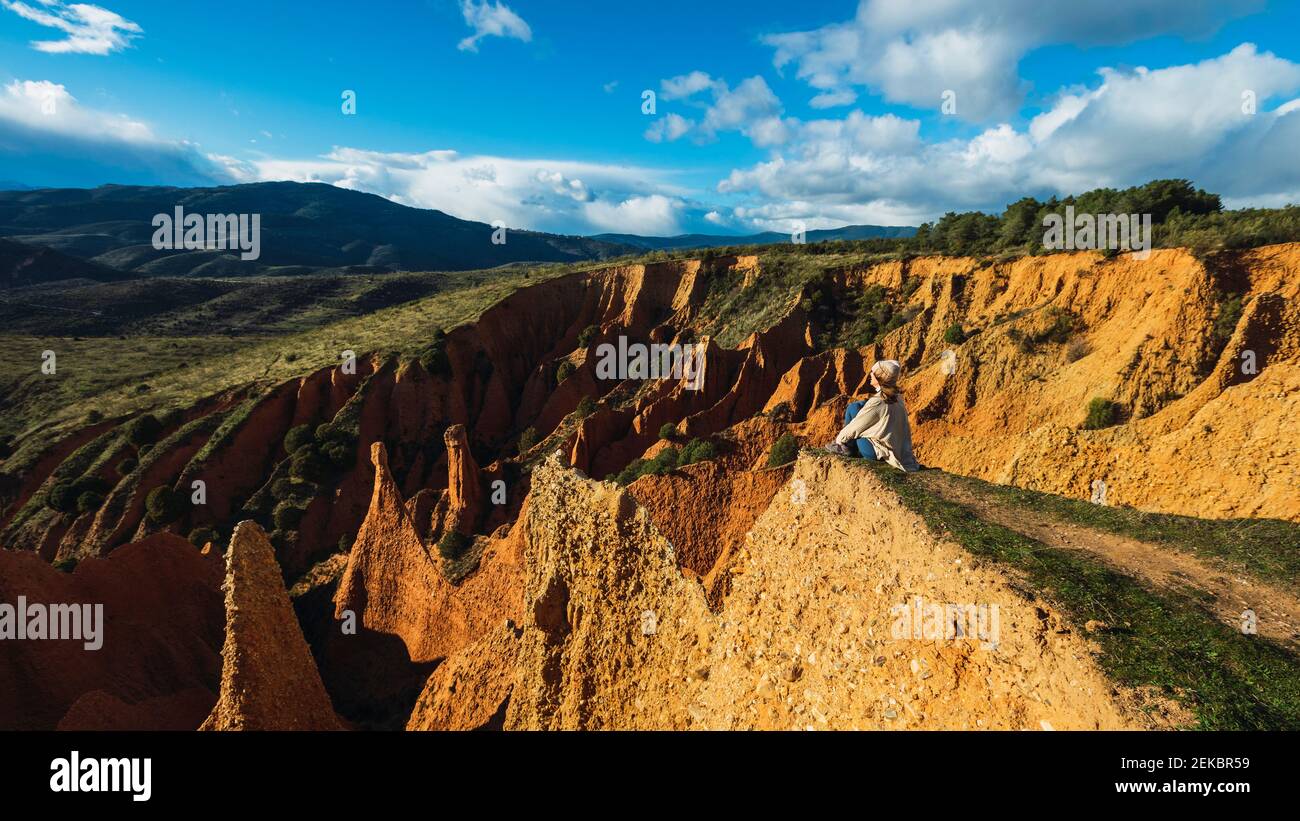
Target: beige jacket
x,y
885,427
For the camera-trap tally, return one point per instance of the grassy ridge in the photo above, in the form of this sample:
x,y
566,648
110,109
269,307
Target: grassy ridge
x,y
125,376
1267,549
1164,640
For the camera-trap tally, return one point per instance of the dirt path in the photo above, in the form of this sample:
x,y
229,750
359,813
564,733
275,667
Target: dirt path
x,y
1229,593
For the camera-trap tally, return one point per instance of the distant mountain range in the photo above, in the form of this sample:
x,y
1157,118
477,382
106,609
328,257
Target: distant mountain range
x,y
688,241
22,265
305,228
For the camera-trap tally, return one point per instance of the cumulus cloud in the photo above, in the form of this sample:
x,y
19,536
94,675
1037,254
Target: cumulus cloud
x,y
55,140
913,53
652,215
668,128
87,29
686,85
1184,121
834,99
543,195
750,108
489,19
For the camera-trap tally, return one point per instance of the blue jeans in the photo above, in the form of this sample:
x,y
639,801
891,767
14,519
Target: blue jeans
x,y
864,447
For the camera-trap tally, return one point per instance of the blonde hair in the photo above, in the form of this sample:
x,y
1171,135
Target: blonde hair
x,y
886,373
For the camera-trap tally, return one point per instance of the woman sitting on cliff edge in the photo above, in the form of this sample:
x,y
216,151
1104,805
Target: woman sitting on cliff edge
x,y
878,427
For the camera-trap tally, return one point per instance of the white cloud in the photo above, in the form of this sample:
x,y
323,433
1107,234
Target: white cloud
x,y
668,128
53,139
542,195
654,215
1184,121
686,85
912,52
752,100
89,29
834,99
489,19
751,108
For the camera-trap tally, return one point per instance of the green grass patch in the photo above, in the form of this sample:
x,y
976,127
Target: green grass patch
x,y
1165,640
1264,549
1102,413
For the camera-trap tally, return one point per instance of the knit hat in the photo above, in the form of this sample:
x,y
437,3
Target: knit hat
x,y
886,372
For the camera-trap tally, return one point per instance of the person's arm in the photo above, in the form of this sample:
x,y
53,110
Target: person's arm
x,y
868,416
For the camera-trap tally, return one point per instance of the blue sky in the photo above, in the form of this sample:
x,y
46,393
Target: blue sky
x,y
767,114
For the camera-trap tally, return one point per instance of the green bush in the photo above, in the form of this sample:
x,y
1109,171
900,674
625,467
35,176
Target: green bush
x,y
94,417
696,450
781,412
287,516
452,545
630,473
310,466
668,431
61,497
165,505
293,490
66,565
143,430
586,407
564,371
1102,413
201,535
89,501
1060,329
527,440
663,463
588,334
1226,319
340,454
435,360
955,335
345,542
127,466
297,437
66,497
282,489
784,451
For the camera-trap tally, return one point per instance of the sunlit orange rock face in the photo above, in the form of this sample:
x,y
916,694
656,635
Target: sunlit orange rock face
x,y
158,666
269,680
518,618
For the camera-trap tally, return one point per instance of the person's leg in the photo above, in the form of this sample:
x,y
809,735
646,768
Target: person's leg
x,y
864,447
852,411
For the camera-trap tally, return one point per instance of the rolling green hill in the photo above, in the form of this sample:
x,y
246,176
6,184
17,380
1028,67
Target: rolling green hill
x,y
309,226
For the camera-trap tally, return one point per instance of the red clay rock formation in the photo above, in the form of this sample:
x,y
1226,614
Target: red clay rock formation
x,y
161,633
240,466
395,584
464,488
99,711
269,680
616,638
705,510
613,632
470,690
